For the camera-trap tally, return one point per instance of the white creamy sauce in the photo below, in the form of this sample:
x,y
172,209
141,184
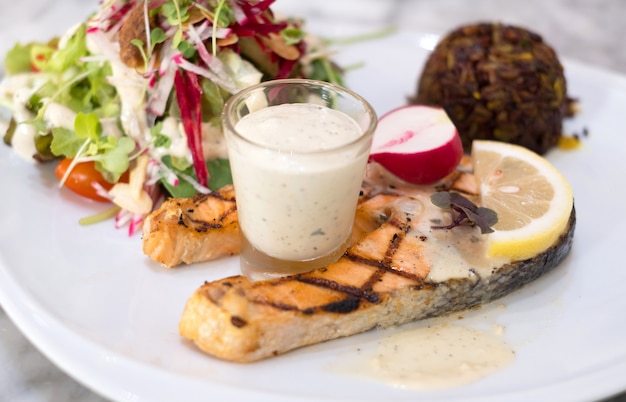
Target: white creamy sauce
x,y
299,127
213,142
57,115
130,87
297,207
110,127
17,89
456,253
23,141
434,357
172,128
11,84
243,72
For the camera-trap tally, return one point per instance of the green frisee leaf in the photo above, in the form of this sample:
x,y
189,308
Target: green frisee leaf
x,y
65,142
17,59
70,54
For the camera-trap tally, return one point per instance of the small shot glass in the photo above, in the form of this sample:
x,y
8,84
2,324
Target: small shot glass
x,y
298,150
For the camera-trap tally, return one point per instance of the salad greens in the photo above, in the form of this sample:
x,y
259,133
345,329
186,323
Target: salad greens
x,y
112,155
151,78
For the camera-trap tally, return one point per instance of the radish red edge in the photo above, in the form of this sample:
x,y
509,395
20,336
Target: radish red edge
x,y
418,144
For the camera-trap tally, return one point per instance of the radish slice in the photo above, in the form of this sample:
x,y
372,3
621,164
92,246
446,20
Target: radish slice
x,y
419,144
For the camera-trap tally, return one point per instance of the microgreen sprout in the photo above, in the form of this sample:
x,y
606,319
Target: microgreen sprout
x,y
464,212
218,10
157,35
292,35
176,15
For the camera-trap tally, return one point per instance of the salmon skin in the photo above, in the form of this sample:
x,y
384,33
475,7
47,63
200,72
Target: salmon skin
x,y
393,273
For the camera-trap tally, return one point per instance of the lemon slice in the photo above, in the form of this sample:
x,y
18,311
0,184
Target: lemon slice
x,y
532,198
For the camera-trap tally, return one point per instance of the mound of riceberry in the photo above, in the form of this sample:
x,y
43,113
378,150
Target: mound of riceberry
x,y
498,82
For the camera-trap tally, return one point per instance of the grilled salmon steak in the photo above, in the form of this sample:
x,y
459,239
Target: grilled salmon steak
x,y
397,270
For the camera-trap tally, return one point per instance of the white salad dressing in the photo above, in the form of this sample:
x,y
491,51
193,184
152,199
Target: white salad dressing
x,y
23,141
57,115
130,87
213,142
172,128
243,72
9,85
110,127
297,207
19,88
434,357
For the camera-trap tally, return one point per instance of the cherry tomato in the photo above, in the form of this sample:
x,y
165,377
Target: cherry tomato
x,y
81,177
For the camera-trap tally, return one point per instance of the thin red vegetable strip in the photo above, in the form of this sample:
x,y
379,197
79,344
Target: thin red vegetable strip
x,y
254,9
189,97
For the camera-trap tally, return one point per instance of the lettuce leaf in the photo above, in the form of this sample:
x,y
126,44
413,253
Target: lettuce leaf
x,y
113,163
17,59
70,54
219,169
65,142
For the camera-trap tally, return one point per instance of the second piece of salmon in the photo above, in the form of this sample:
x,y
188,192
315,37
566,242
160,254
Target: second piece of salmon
x,y
189,230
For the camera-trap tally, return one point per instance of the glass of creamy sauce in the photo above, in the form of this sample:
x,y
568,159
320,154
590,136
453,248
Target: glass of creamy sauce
x,y
298,150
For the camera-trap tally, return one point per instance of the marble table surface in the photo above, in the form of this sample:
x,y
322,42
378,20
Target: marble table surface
x,y
590,31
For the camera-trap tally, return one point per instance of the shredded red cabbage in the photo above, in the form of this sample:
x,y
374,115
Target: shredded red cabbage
x,y
117,16
189,98
253,9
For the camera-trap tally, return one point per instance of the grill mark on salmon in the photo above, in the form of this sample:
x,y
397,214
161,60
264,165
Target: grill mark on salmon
x,y
201,225
351,292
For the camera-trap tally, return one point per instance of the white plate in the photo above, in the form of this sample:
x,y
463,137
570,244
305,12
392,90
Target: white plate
x,y
90,300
